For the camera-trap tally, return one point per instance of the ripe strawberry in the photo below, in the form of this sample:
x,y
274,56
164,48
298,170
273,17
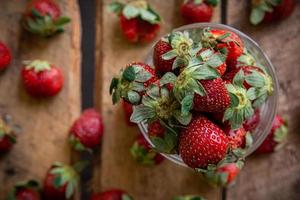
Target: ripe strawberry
x,y
202,143
236,137
61,181
271,11
25,191
155,129
162,66
87,131
5,56
7,136
112,194
143,153
42,79
138,21
226,42
229,172
43,17
128,109
194,11
216,99
276,138
132,82
251,123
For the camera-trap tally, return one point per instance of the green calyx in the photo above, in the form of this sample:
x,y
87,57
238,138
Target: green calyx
x,y
6,130
263,85
280,136
136,8
189,197
77,145
240,107
246,59
142,155
65,174
209,40
259,8
44,26
183,49
129,84
37,65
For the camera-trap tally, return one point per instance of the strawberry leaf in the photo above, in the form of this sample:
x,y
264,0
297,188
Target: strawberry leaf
x,y
116,7
186,104
179,62
126,197
256,16
62,21
213,2
148,16
141,113
169,55
129,74
130,11
168,77
70,189
133,97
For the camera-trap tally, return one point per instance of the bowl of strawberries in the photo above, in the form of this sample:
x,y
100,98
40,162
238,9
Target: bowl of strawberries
x,y
205,98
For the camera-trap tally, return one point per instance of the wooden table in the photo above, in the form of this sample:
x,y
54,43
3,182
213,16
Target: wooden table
x,y
275,176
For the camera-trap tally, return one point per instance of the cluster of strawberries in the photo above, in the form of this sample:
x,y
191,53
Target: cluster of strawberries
x,y
201,99
140,23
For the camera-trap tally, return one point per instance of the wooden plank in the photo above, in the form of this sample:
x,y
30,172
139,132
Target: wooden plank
x,y
45,122
117,169
275,176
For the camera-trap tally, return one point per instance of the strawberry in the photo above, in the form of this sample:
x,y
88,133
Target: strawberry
x,y
143,153
132,82
202,143
7,136
25,191
174,51
5,56
251,123
271,11
194,11
42,79
138,21
128,109
216,99
162,66
61,181
189,197
87,131
236,137
112,194
155,129
43,17
228,173
226,42
276,138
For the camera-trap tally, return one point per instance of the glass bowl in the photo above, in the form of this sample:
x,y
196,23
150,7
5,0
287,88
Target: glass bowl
x,y
267,111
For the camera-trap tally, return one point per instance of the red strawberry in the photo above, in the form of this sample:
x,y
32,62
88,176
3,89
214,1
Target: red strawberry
x,y
42,79
230,170
143,153
112,194
87,131
194,11
7,136
269,12
276,138
25,191
216,99
43,18
155,129
236,137
61,181
132,82
161,65
225,41
138,21
202,143
251,123
128,109
5,56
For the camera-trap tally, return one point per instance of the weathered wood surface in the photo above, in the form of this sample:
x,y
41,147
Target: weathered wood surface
x,y
44,122
276,176
118,169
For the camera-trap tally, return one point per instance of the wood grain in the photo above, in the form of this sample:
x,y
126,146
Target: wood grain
x,y
44,122
117,169
277,176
